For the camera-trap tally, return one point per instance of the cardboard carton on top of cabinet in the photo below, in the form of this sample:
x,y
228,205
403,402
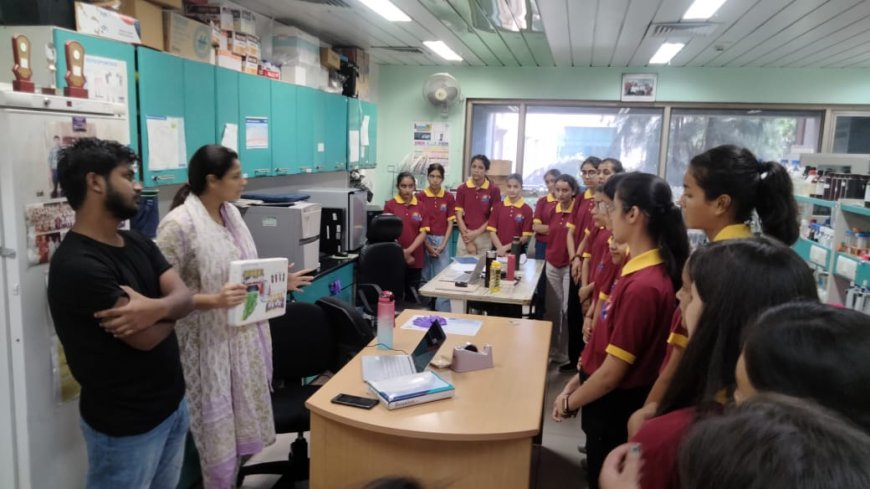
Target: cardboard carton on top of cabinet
x,y
150,18
226,59
173,4
357,56
187,37
250,65
253,47
330,59
243,21
237,43
101,22
220,15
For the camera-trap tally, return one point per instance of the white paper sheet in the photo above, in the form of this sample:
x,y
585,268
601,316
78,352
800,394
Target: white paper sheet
x,y
364,139
457,326
353,146
256,132
230,138
167,149
106,79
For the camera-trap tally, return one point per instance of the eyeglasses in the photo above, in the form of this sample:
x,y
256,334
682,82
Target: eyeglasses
x,y
589,173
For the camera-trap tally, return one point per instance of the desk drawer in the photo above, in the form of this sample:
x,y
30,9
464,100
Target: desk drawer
x,y
320,287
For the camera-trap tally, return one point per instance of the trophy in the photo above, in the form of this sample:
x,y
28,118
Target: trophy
x,y
21,69
75,70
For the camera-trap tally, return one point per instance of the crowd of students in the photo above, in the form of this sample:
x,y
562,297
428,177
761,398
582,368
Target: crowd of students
x,y
670,350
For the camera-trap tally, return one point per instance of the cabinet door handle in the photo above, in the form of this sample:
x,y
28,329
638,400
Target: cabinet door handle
x,y
279,171
262,171
163,178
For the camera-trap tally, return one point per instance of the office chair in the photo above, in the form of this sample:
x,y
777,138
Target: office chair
x,y
303,345
352,331
381,266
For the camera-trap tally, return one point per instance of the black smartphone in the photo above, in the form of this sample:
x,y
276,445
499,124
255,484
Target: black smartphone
x,y
355,401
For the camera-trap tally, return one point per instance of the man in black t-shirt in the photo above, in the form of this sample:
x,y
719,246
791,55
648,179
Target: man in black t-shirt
x,y
114,299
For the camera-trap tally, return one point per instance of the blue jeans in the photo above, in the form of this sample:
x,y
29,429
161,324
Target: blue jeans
x,y
151,460
432,266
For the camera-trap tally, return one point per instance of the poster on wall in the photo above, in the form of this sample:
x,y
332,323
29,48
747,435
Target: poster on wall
x,y
59,135
106,79
47,224
432,143
638,87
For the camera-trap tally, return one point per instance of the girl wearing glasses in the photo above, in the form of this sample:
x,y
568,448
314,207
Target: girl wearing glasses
x,y
625,350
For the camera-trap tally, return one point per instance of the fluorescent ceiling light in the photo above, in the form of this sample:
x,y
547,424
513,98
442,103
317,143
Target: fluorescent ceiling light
x,y
665,53
702,9
387,10
442,50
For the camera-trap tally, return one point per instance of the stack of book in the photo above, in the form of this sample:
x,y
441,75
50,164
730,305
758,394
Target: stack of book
x,y
407,390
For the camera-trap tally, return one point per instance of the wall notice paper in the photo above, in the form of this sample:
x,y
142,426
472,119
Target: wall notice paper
x,y
365,130
106,79
47,224
432,142
256,132
265,282
167,149
353,146
230,138
457,326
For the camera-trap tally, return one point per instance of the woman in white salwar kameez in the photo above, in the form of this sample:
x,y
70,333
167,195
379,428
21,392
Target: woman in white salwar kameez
x,y
227,370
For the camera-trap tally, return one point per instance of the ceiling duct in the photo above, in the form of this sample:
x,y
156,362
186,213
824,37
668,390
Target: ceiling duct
x,y
672,30
329,3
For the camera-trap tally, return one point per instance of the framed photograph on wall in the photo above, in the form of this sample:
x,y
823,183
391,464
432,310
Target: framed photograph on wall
x,y
638,87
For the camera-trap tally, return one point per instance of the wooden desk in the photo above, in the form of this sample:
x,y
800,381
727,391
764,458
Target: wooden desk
x,y
520,293
481,438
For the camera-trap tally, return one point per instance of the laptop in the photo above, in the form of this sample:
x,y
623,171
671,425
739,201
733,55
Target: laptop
x,y
473,277
380,367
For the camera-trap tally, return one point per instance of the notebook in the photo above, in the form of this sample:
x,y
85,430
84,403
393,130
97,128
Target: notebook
x,y
380,367
265,280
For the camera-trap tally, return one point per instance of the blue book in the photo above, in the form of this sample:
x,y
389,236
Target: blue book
x,y
407,390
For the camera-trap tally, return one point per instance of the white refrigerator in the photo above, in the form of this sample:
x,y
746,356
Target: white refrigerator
x,y
41,445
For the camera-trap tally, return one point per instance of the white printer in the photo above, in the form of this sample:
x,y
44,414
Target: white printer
x,y
291,232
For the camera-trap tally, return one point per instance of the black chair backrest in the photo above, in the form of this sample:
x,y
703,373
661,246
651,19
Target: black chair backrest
x,y
303,342
383,264
384,228
352,331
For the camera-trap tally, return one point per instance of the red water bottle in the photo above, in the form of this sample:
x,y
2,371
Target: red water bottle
x,y
511,266
386,319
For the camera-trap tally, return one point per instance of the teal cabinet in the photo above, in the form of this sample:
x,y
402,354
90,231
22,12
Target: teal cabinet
x,y
255,118
310,127
336,133
362,119
226,90
102,48
199,106
161,99
338,282
285,159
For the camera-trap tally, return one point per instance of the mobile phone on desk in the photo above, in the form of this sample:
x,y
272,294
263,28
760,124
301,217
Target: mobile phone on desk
x,y
355,401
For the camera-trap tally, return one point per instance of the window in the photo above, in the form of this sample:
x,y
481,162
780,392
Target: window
x,y
494,133
771,134
562,137
852,133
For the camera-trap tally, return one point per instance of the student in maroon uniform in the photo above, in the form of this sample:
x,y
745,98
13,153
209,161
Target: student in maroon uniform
x,y
474,201
415,225
732,282
558,270
510,218
627,349
544,209
440,208
723,185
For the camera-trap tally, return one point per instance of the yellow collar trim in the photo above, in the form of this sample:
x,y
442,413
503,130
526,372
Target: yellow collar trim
x,y
518,204
570,207
587,194
400,200
429,193
551,198
644,260
470,183
734,231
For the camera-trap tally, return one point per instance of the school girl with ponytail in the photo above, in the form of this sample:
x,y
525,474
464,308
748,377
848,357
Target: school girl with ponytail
x,y
626,350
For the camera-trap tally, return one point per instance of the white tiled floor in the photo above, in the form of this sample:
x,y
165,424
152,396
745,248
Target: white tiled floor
x,y
556,464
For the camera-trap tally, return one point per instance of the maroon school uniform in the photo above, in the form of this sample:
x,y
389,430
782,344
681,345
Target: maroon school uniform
x,y
544,209
561,224
414,222
509,219
440,208
603,272
678,338
476,203
660,439
638,314
583,213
